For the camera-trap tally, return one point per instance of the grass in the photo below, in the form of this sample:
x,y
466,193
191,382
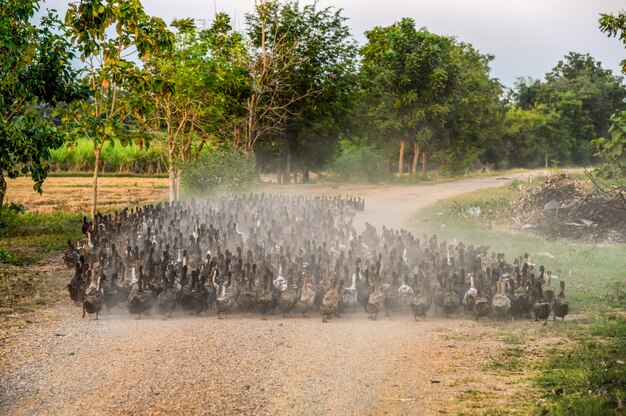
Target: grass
x,y
25,240
584,371
28,238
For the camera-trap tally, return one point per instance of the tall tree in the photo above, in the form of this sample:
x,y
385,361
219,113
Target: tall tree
x,y
35,75
585,95
110,35
411,76
473,124
198,91
322,83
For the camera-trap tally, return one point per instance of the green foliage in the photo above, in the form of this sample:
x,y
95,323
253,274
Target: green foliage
x,y
612,149
219,169
474,123
199,90
410,75
357,162
79,157
35,75
615,25
303,66
575,100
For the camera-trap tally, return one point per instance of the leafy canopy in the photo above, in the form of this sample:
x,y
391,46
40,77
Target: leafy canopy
x,y
35,76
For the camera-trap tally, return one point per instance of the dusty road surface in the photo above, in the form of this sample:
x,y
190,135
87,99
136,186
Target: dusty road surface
x,y
62,364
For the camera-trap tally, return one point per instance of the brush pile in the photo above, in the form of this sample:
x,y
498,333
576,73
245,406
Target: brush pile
x,y
563,207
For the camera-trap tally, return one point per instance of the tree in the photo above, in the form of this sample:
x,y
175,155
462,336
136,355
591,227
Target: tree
x,y
322,84
612,148
474,122
110,73
35,75
532,135
585,95
411,76
198,92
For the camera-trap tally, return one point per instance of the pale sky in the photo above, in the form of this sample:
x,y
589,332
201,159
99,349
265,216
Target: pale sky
x,y
527,37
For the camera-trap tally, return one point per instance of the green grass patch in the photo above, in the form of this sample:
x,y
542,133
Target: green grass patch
x,y
511,359
589,376
28,238
584,373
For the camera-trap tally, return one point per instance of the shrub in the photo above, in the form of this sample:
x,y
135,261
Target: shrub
x,y
358,162
221,169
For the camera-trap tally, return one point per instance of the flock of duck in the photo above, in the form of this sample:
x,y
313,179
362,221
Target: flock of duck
x,y
267,254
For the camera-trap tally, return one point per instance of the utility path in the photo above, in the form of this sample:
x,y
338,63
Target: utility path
x,y
62,364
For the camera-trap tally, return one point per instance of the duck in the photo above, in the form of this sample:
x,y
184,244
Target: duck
x,y
421,303
166,300
560,307
248,296
264,303
77,286
330,301
199,294
547,290
541,307
288,298
469,299
501,304
481,304
364,289
94,297
186,291
405,295
450,300
307,298
111,298
138,302
349,295
226,299
376,302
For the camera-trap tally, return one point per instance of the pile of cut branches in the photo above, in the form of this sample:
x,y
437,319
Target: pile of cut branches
x,y
563,207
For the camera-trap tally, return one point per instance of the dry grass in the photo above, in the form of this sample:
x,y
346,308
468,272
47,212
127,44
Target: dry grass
x,y
69,195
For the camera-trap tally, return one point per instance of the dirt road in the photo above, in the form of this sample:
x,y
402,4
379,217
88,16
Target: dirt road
x,y
62,364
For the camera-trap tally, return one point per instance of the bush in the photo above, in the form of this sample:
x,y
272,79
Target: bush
x,y
358,163
221,169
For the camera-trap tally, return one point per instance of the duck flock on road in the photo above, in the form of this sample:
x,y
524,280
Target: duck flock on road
x,y
267,253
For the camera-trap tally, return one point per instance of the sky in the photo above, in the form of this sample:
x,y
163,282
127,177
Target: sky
x,y
527,37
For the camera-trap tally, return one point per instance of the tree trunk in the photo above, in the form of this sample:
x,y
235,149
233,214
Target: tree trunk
x,y
177,184
416,154
288,165
305,175
171,174
424,163
3,188
401,159
97,150
545,160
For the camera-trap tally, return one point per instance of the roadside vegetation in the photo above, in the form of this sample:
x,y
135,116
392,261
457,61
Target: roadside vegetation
x,y
26,241
574,367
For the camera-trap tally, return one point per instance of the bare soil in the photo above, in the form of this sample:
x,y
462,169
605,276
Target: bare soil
x,y
54,362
